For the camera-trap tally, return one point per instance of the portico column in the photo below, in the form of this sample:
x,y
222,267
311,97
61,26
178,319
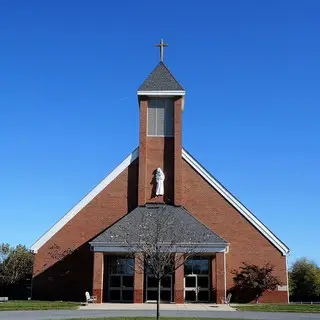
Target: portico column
x,y
98,266
138,278
213,279
179,278
220,269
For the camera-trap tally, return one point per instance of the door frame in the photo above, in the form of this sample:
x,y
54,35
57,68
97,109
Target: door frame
x,y
161,288
121,288
197,288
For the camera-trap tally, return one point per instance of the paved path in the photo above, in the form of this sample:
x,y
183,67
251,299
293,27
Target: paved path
x,y
68,314
164,307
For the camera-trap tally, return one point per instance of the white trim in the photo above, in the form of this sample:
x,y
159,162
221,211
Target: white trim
x,y
235,202
84,201
161,93
225,276
288,289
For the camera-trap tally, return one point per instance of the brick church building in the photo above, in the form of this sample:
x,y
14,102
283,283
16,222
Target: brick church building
x,y
79,253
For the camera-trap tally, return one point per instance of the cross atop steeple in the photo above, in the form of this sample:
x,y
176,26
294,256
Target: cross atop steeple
x,y
161,45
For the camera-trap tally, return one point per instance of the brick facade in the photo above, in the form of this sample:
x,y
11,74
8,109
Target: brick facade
x,y
65,267
98,272
178,151
138,279
179,279
154,152
247,244
219,276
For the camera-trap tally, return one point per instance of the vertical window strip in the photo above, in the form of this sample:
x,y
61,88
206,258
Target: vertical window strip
x,y
160,117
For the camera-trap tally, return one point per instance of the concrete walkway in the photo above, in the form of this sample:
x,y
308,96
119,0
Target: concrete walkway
x,y
163,307
72,314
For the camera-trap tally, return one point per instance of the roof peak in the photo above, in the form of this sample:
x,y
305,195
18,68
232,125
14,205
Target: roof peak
x,y
161,79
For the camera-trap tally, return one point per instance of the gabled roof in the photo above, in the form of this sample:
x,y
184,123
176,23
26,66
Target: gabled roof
x,y
84,201
160,79
194,164
235,203
170,224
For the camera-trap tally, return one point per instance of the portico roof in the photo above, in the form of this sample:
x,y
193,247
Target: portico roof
x,y
173,226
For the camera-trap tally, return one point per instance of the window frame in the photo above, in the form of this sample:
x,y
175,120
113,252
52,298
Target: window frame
x,y
165,122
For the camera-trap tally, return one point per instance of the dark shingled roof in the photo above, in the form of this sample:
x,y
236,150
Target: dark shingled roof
x,y
161,79
175,221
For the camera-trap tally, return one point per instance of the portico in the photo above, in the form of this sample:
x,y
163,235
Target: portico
x,y
197,281
118,276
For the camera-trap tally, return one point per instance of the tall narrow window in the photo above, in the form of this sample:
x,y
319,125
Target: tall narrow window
x,y
160,117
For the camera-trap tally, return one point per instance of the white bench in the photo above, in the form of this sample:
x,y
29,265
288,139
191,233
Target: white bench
x,y
4,299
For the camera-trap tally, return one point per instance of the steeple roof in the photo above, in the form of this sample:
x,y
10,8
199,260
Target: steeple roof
x,y
160,79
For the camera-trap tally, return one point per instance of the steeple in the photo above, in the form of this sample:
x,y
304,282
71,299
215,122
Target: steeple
x,y
161,100
161,81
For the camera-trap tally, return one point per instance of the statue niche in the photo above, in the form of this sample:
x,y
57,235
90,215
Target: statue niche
x,y
160,182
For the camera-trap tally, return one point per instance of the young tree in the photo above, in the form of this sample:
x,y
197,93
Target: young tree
x,y
304,280
15,264
255,280
159,245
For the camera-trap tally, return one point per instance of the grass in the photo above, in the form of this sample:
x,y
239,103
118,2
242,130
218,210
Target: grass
x,y
304,308
149,318
37,305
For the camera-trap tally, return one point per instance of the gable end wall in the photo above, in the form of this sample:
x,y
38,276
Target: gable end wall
x,y
65,261
247,244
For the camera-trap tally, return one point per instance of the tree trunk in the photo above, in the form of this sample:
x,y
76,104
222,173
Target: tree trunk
x,y
158,299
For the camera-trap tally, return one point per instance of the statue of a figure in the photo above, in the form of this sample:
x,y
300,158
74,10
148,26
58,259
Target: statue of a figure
x,y
159,179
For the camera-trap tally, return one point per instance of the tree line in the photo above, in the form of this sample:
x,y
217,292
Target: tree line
x,y
304,281
16,263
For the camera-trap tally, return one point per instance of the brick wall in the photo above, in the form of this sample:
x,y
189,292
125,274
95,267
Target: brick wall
x,y
63,266
154,152
247,244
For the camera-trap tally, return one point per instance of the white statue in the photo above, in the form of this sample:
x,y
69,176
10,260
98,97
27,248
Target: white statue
x,y
159,179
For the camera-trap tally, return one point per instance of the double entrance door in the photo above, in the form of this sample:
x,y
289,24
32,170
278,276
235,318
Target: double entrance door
x,y
121,279
197,279
165,289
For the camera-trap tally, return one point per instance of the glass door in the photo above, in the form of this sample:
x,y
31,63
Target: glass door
x,y
190,288
197,280
121,277
165,289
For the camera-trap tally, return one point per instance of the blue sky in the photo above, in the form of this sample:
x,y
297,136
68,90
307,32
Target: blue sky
x,y
69,71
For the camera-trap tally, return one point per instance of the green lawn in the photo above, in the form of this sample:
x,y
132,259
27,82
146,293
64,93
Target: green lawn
x,y
37,305
279,307
149,318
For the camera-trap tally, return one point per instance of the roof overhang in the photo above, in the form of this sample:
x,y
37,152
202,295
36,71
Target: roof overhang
x,y
162,93
195,248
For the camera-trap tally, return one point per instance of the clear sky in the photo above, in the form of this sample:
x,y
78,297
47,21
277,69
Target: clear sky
x,y
69,71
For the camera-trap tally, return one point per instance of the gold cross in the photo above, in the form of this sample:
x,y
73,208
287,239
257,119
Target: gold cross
x,y
161,45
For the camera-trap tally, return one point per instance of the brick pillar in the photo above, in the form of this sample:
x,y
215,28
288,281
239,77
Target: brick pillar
x,y
138,278
179,279
220,276
143,151
98,261
178,151
213,279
